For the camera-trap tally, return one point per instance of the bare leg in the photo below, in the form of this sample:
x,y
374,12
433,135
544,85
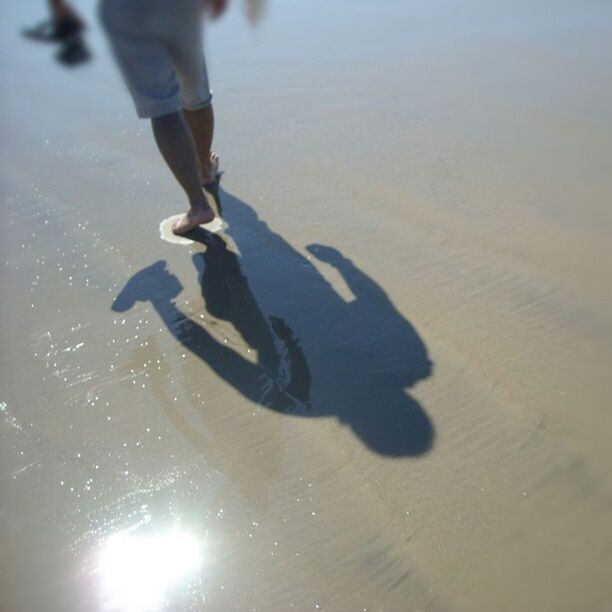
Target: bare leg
x,y
61,12
177,147
202,124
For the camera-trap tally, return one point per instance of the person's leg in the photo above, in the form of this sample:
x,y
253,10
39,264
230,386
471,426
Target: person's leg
x,y
63,13
146,57
176,145
201,123
189,65
57,8
63,24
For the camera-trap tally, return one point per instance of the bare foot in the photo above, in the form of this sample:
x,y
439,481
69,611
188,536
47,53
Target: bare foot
x,y
192,219
209,174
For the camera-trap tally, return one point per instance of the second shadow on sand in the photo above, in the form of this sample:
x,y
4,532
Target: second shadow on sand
x,y
352,360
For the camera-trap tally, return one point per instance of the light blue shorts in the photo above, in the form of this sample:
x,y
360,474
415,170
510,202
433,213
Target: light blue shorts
x,y
158,46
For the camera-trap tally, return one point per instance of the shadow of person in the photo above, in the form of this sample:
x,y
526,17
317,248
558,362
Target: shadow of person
x,y
228,297
354,359
378,354
271,381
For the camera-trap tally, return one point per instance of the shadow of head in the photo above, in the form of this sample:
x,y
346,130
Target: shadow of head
x,y
154,284
396,427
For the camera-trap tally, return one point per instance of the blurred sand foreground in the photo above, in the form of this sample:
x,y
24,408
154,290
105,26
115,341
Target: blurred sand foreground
x,y
385,387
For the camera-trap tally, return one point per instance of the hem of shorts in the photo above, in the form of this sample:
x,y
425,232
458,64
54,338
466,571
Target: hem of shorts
x,y
199,105
159,110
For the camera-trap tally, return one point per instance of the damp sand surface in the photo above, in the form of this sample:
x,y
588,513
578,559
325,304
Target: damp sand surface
x,y
384,385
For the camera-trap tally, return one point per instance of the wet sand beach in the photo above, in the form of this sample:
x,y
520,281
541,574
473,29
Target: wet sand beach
x,y
385,385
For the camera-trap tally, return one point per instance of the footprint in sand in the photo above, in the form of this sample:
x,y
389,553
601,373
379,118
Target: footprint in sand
x,y
165,229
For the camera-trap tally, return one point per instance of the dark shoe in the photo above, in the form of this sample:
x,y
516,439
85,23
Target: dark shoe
x,y
73,52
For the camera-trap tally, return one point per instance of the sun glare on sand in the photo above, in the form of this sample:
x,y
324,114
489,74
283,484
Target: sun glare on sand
x,y
138,571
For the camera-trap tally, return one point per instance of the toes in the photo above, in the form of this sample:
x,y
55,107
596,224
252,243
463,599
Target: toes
x,y
214,161
180,226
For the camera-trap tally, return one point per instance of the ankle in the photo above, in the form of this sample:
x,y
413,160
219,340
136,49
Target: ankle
x,y
207,174
198,203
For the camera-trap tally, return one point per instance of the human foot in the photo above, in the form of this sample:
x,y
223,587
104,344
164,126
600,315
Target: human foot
x,y
210,173
192,219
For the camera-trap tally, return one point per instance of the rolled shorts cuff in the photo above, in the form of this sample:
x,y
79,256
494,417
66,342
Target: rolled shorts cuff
x,y
166,107
158,109
194,106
